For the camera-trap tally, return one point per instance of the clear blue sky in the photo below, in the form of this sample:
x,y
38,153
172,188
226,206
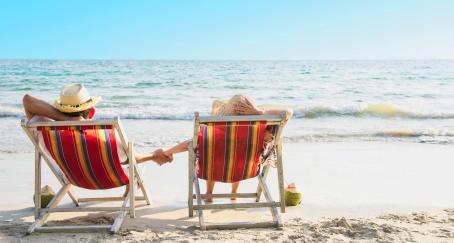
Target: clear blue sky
x,y
227,29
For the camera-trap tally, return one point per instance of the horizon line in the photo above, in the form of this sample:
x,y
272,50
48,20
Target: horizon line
x,y
196,59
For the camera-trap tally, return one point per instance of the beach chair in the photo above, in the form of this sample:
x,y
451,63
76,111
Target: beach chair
x,y
230,149
84,154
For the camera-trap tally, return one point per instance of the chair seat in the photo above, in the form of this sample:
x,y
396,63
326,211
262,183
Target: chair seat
x,y
87,155
230,151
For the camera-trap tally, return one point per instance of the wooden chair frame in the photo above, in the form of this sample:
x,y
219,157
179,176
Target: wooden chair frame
x,y
128,201
261,188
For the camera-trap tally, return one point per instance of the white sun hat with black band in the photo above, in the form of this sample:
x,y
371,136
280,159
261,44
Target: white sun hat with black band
x,y
75,98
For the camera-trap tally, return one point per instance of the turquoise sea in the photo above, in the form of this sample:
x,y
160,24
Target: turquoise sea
x,y
334,101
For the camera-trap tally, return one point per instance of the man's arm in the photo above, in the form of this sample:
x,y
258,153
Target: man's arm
x,y
34,106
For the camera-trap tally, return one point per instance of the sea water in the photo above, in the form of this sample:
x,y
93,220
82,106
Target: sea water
x,y
333,101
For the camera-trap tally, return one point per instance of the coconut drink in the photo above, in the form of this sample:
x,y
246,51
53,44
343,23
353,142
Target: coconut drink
x,y
46,196
292,195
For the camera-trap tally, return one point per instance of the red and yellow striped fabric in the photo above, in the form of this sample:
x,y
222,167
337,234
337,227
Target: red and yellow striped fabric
x,y
230,151
87,155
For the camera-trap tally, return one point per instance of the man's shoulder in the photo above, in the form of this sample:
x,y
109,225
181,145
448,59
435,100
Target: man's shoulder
x,y
37,118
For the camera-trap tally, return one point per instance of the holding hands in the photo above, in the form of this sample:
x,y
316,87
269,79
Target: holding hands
x,y
161,158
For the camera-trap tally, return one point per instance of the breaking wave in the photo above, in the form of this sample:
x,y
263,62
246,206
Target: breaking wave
x,y
382,110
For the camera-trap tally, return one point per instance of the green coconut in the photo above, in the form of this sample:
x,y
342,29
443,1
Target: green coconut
x,y
47,194
292,198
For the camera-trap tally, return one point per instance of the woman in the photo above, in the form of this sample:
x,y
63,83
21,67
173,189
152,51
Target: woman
x,y
237,105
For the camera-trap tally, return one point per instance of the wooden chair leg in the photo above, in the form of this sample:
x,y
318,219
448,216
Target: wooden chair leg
x,y
132,180
191,161
37,183
73,197
280,176
142,185
259,188
121,216
199,203
266,192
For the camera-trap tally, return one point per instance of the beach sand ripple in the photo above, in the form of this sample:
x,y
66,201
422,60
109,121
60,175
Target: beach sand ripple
x,y
413,227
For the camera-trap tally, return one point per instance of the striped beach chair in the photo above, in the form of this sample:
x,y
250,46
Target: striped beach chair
x,y
231,149
84,154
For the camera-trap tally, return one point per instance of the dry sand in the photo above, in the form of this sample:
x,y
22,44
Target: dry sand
x,y
366,192
174,226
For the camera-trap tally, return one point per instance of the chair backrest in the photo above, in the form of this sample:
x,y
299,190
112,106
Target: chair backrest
x,y
87,154
230,151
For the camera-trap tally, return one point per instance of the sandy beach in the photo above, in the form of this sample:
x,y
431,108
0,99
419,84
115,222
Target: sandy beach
x,y
358,192
357,98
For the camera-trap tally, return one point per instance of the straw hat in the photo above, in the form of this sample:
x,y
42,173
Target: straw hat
x,y
75,98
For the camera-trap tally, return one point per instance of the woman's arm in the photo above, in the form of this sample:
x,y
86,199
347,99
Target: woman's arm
x,y
181,147
288,112
249,108
34,106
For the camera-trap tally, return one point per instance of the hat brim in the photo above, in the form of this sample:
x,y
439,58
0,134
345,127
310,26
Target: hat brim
x,y
71,109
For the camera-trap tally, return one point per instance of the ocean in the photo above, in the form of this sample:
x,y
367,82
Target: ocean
x,y
409,101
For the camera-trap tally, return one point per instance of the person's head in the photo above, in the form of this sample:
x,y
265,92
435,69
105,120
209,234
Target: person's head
x,y
230,107
75,101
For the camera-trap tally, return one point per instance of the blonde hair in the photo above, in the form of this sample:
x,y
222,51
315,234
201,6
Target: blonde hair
x,y
229,107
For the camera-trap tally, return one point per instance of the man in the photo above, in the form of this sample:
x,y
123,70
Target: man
x,y
76,104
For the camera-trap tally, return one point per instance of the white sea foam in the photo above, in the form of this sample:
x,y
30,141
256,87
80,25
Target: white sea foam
x,y
383,110
332,100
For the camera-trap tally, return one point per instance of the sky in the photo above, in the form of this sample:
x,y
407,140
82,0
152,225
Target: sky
x,y
227,29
